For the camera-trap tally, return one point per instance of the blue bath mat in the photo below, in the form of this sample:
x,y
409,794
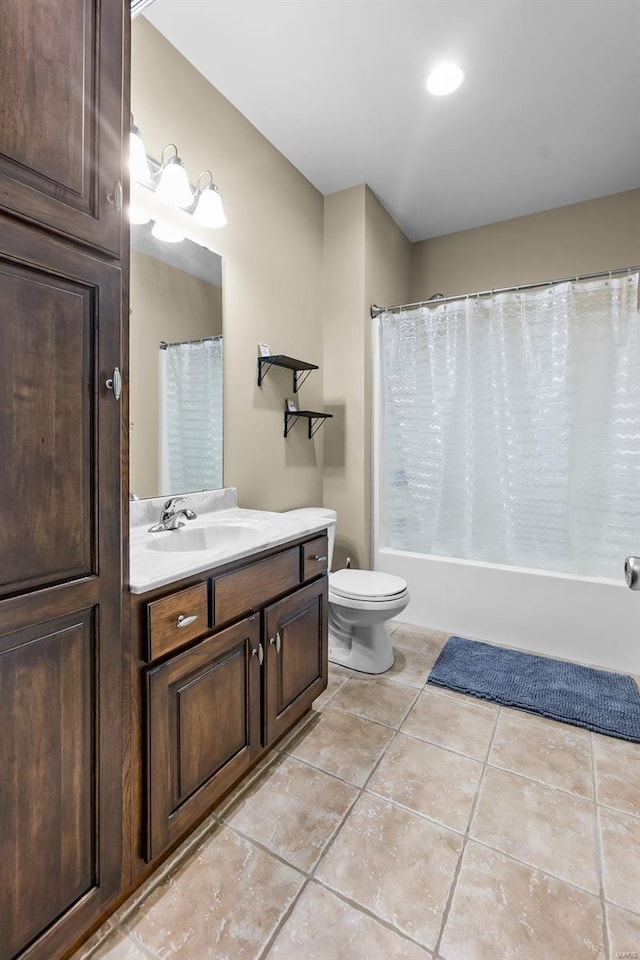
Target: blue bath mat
x,y
608,703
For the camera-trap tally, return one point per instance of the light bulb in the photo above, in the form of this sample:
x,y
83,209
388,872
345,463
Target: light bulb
x,y
167,232
209,210
137,213
446,78
173,186
138,164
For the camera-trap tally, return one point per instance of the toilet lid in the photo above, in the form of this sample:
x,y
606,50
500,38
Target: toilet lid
x,y
366,584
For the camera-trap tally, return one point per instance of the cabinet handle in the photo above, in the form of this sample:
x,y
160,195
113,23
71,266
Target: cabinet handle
x,y
276,642
259,653
319,559
115,198
183,621
115,383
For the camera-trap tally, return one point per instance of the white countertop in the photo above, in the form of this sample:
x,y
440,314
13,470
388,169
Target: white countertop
x,y
151,565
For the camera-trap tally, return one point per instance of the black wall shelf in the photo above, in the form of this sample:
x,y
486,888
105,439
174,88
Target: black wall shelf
x,y
310,415
290,363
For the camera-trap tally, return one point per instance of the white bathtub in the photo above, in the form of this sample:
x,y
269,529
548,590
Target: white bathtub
x,y
584,619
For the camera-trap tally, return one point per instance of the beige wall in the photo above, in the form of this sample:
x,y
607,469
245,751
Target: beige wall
x,y
366,259
166,304
272,251
582,238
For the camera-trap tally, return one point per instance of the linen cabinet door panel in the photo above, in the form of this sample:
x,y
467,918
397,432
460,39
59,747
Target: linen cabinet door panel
x,y
296,657
61,68
60,593
203,728
59,342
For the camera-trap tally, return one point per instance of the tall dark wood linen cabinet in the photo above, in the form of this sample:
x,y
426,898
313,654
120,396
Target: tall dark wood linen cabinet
x,y
63,256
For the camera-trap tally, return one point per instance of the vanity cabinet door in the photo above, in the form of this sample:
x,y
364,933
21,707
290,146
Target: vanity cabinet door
x,y
296,662
203,728
61,73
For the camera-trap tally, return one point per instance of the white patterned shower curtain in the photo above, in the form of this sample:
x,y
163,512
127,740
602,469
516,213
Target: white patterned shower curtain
x,y
511,428
191,422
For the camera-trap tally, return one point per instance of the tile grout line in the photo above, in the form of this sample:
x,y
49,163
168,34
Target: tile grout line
x,y
599,852
465,841
311,876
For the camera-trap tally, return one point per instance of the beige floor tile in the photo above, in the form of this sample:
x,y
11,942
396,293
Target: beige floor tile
x,y
503,910
333,685
617,773
451,723
337,670
118,946
420,639
547,828
324,927
293,811
342,744
621,860
224,902
410,667
255,776
624,932
376,699
395,864
428,779
554,753
90,946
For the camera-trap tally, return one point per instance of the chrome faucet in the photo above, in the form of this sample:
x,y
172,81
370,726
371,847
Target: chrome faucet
x,y
171,518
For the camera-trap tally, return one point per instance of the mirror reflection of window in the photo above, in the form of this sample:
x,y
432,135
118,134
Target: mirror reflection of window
x,y
176,434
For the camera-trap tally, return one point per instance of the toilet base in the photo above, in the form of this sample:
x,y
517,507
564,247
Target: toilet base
x,y
367,649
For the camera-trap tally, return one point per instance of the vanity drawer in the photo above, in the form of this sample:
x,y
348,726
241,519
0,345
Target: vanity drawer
x,y
177,619
246,590
314,558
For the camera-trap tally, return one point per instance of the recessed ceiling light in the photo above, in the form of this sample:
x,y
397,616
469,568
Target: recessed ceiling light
x,y
444,79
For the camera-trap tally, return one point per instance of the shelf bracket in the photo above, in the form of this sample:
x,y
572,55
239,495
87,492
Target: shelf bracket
x,y
299,377
262,373
288,427
318,423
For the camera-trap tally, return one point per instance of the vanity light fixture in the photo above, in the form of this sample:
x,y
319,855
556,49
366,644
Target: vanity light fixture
x,y
444,79
209,210
138,164
167,231
173,187
167,181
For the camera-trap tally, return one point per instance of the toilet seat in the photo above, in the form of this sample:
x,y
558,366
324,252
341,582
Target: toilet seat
x,y
368,586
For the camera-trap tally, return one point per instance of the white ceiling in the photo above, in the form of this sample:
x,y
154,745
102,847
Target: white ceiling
x,y
548,114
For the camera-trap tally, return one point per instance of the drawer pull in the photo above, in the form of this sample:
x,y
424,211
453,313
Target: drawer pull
x,y
276,642
319,559
183,621
259,653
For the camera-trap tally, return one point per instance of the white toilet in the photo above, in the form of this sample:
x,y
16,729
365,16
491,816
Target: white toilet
x,y
360,604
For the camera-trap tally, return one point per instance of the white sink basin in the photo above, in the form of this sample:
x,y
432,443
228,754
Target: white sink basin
x,y
216,537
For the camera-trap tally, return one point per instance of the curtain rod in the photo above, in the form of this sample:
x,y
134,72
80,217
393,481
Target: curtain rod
x,y
178,343
436,300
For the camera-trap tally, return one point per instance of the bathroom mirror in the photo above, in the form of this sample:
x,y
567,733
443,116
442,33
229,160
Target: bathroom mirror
x,y
176,366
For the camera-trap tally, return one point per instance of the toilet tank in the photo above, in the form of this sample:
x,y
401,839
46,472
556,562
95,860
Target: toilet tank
x,y
322,513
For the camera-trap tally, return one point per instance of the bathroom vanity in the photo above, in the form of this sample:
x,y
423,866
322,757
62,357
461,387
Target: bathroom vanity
x,y
228,651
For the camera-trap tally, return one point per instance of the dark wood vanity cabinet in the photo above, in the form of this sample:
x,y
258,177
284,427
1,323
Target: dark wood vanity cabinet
x,y
62,113
295,632
202,729
209,707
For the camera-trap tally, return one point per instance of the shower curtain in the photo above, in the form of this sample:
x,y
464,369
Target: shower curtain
x,y
191,416
511,428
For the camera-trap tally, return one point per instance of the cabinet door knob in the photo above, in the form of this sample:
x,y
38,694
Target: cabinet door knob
x,y
115,198
115,383
319,559
259,653
183,621
276,642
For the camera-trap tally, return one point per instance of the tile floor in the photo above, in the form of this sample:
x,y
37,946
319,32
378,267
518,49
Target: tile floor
x,y
399,822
